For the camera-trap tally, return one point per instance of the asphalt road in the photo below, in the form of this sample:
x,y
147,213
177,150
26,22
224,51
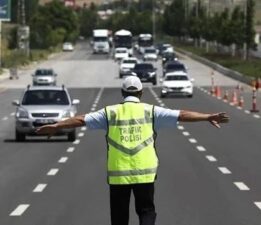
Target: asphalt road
x,y
206,175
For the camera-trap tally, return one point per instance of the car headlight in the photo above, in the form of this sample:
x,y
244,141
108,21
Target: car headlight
x,y
67,114
22,113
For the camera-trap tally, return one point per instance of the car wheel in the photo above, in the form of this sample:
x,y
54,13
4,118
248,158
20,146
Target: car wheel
x,y
120,75
163,95
190,96
154,82
72,136
19,136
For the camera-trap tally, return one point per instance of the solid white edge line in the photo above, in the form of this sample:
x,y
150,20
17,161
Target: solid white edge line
x,y
224,170
19,210
258,204
63,160
53,172
39,187
201,148
70,149
211,158
192,140
241,186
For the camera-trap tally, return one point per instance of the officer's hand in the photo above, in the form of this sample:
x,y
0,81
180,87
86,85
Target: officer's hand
x,y
49,130
217,118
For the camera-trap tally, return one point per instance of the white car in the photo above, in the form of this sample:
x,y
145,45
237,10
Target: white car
x,y
121,53
150,54
67,46
126,66
177,83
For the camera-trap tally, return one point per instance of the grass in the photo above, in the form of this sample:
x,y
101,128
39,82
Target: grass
x,y
251,67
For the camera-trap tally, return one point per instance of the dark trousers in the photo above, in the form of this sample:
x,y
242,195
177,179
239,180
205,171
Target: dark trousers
x,y
144,203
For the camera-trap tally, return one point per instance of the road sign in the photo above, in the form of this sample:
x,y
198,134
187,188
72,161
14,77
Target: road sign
x,y
5,6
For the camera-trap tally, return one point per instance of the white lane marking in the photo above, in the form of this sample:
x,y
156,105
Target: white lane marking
x,y
240,108
94,105
219,98
185,133
211,158
258,204
40,187
5,118
224,170
12,114
159,101
201,148
83,129
162,105
71,149
180,127
19,210
247,111
256,116
92,109
76,142
241,186
63,160
192,140
53,172
81,134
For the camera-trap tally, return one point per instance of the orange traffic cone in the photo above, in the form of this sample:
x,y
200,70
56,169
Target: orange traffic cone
x,y
234,98
225,98
241,102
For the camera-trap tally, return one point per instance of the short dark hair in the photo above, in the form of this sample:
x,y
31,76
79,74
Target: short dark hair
x,y
137,94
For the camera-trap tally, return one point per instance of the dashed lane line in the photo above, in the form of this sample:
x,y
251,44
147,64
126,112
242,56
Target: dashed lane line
x,y
201,149
63,160
83,128
192,140
258,204
53,172
180,127
76,142
185,133
211,158
40,188
247,111
81,134
5,118
241,186
12,114
256,116
20,210
70,149
224,170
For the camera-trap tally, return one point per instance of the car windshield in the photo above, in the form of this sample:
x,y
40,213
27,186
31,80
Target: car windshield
x,y
143,66
43,72
177,77
121,51
175,67
130,61
45,97
150,51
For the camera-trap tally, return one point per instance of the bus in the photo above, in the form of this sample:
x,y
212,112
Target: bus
x,y
123,39
144,41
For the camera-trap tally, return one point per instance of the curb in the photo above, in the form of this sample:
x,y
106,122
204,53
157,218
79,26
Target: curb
x,y
228,72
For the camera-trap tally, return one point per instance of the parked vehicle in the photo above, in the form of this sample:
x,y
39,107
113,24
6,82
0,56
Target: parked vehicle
x,y
43,76
177,83
146,72
43,105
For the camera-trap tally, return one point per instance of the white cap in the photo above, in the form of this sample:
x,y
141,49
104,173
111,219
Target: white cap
x,y
132,84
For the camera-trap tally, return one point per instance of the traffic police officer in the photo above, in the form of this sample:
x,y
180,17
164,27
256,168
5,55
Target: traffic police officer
x,y
132,161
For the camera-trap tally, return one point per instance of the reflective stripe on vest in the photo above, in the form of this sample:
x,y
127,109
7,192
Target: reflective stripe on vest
x,y
132,172
129,151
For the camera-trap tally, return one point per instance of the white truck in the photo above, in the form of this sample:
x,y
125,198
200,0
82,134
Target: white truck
x,y
100,41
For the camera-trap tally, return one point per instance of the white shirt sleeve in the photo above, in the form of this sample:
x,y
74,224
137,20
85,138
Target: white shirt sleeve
x,y
165,118
96,120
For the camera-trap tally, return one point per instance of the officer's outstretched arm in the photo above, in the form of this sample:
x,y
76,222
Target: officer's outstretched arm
x,y
50,130
214,118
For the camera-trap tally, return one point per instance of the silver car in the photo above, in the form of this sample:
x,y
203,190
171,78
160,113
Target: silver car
x,y
44,77
43,105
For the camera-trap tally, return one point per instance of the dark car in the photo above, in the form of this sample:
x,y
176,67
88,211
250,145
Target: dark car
x,y
173,66
146,72
168,56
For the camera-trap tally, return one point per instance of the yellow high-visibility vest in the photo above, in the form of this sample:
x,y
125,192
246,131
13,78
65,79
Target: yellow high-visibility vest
x,y
132,157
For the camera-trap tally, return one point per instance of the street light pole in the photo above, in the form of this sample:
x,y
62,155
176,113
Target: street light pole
x,y
245,24
153,20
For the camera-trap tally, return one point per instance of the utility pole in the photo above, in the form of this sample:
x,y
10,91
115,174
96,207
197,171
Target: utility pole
x,y
153,20
245,24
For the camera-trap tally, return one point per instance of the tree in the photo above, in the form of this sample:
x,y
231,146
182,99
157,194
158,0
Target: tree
x,y
249,25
